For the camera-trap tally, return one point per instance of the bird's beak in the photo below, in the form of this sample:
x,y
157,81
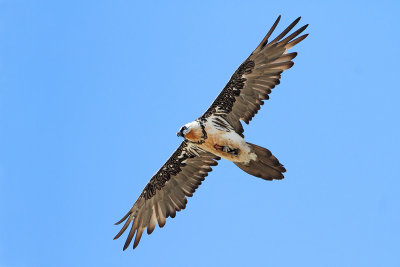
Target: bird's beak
x,y
179,134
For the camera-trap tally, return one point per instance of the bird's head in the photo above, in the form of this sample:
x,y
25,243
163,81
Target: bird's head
x,y
183,131
191,131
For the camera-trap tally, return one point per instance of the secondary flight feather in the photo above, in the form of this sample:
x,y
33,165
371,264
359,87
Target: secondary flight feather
x,y
217,134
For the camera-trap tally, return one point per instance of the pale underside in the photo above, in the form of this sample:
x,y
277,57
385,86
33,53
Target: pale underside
x,y
222,140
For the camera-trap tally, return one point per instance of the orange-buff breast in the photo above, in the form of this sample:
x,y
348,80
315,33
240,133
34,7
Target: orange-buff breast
x,y
194,135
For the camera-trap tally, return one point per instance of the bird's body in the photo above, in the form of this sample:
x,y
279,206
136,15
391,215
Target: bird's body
x,y
221,140
217,134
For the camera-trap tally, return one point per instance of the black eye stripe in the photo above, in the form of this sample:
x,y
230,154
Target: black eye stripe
x,y
182,129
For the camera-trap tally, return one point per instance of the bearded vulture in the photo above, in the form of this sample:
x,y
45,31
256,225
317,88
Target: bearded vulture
x,y
217,134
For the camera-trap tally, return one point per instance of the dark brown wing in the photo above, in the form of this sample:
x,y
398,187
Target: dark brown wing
x,y
256,76
166,192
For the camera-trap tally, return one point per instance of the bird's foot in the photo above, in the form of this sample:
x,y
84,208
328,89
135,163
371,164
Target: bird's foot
x,y
227,149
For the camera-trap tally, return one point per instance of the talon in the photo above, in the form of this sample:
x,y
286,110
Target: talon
x,y
226,149
235,151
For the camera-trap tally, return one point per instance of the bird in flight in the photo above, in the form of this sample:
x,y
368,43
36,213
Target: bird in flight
x,y
217,134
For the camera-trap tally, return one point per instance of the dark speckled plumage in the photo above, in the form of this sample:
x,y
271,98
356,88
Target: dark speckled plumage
x,y
225,100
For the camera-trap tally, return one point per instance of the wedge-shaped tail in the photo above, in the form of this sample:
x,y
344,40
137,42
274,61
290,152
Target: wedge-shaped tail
x,y
266,166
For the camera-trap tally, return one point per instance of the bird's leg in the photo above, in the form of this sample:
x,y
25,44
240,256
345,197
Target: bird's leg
x,y
218,147
226,149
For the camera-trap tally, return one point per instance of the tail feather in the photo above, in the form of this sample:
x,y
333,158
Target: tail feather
x,y
266,166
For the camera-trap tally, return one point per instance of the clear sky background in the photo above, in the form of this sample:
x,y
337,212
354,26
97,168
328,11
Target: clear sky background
x,y
93,92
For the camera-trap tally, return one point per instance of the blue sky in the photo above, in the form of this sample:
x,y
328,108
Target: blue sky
x,y
93,92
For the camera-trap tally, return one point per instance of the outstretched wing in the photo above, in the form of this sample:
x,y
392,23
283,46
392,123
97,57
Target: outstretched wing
x,y
256,76
166,192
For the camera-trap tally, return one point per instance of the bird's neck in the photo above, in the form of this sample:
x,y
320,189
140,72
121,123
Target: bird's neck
x,y
195,133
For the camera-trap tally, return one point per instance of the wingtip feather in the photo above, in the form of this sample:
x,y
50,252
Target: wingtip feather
x,y
124,218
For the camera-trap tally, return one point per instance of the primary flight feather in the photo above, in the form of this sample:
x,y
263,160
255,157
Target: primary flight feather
x,y
217,134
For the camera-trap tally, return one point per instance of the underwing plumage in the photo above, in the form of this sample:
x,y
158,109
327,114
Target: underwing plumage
x,y
217,134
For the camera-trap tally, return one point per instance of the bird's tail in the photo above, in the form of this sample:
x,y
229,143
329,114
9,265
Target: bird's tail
x,y
266,166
